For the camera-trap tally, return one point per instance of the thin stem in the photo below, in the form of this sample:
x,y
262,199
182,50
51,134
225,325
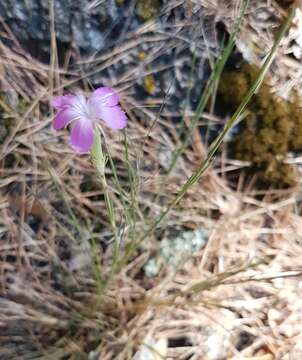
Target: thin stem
x,y
210,86
216,144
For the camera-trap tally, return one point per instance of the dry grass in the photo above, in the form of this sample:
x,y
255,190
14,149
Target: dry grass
x,y
237,298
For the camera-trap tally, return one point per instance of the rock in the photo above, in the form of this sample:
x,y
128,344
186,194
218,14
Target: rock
x,y
187,36
176,248
75,21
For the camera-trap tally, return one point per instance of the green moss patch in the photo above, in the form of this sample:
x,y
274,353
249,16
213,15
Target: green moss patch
x,y
4,121
272,129
148,9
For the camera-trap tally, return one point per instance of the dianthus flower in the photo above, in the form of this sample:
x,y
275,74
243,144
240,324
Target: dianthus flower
x,y
83,114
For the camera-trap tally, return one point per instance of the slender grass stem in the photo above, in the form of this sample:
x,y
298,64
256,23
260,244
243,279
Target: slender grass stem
x,y
218,141
210,86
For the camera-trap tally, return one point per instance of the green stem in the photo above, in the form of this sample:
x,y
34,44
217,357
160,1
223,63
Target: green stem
x,y
217,142
210,86
99,162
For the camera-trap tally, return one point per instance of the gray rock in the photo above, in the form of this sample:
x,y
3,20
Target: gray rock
x,y
94,26
75,21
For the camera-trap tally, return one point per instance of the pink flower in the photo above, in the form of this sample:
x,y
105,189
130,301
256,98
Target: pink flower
x,y
83,114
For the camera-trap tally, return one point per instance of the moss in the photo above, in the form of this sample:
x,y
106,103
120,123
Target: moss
x,y
150,84
295,141
149,81
277,173
272,128
148,9
142,55
7,122
4,121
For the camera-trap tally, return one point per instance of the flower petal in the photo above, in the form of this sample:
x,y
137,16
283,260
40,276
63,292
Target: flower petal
x,y
114,116
62,119
61,102
82,135
104,96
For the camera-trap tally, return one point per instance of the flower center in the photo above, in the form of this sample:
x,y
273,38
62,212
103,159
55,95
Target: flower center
x,y
82,109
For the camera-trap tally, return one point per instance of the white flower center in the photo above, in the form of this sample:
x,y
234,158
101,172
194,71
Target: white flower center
x,y
82,109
